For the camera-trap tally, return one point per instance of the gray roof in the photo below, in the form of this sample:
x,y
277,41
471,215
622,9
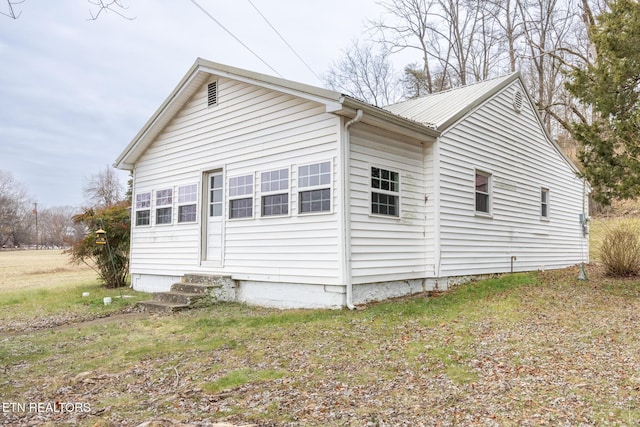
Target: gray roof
x,y
440,110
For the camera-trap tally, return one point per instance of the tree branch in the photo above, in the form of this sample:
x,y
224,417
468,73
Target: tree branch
x,y
12,13
108,6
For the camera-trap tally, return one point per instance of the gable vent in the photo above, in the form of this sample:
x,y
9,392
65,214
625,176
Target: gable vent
x,y
212,94
518,100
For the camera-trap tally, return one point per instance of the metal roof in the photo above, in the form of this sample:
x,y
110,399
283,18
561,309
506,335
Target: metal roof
x,y
442,109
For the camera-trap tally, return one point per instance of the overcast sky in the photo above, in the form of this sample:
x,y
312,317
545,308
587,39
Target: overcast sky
x,y
74,92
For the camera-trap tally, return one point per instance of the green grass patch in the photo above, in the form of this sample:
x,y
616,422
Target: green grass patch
x,y
241,377
65,299
258,364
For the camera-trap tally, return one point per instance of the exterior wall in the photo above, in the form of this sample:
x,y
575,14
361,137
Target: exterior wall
x,y
251,130
513,148
290,295
385,248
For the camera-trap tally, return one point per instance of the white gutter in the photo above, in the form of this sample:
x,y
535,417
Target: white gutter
x,y
346,208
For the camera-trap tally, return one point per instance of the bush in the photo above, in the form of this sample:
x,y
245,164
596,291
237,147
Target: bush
x,y
111,260
620,250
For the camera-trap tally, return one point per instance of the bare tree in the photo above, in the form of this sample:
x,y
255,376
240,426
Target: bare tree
x,y
506,15
460,41
15,216
411,29
57,228
103,189
11,12
99,6
365,74
115,6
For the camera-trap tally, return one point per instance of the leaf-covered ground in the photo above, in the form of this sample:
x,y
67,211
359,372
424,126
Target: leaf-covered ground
x,y
535,349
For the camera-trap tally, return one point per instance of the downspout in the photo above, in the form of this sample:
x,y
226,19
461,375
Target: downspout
x,y
346,208
436,210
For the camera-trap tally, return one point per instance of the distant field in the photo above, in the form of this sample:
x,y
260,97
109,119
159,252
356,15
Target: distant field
x,y
40,269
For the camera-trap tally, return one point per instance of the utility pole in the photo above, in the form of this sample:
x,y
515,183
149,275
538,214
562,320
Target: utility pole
x,y
35,212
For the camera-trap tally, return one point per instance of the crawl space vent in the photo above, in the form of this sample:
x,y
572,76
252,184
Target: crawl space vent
x,y
518,99
212,94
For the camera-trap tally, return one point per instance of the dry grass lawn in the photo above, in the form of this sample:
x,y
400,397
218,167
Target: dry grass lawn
x,y
524,349
21,270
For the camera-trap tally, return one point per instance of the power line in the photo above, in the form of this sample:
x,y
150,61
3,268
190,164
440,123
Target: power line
x,y
233,35
284,40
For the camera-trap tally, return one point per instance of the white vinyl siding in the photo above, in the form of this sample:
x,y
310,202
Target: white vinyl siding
x,y
384,249
514,149
250,131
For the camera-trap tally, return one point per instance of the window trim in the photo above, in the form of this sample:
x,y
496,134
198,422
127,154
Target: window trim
x,y
316,187
279,192
242,196
393,193
193,201
146,208
489,192
545,204
166,205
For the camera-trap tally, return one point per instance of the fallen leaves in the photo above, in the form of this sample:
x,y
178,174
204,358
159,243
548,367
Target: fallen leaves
x,y
558,353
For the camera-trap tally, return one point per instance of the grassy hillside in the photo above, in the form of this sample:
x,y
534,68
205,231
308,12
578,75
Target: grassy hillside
x,y
619,213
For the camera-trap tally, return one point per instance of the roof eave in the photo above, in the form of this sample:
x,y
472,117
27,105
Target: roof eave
x,y
381,118
198,72
334,102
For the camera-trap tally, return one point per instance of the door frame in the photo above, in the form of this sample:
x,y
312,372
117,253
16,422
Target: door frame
x,y
204,212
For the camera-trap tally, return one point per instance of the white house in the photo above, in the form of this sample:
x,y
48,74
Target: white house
x,y
310,198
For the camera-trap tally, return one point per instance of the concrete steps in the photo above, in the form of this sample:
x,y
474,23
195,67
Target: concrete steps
x,y
192,292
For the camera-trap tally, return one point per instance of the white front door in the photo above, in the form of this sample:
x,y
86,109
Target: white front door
x,y
215,217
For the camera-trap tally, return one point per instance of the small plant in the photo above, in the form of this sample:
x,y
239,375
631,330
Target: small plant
x,y
620,250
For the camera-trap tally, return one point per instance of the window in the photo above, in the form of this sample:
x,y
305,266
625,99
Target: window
x,y
187,203
544,203
143,209
385,190
164,201
314,183
483,202
274,186
241,206
215,195
212,94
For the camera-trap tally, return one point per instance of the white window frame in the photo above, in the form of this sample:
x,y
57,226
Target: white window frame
x,y
488,193
273,184
241,190
544,204
384,192
164,202
143,205
307,183
188,198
